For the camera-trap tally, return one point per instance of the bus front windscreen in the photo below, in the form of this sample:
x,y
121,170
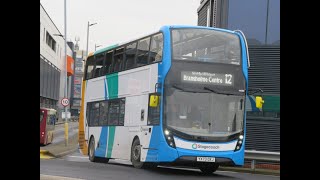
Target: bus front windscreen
x,y
205,85
204,113
205,45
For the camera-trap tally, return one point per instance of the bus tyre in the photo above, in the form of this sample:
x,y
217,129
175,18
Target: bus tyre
x,y
135,154
135,157
92,150
208,168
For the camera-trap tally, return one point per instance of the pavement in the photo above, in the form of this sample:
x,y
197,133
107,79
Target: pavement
x,y
58,147
50,177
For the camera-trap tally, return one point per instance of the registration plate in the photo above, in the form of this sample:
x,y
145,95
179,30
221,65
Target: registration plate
x,y
206,159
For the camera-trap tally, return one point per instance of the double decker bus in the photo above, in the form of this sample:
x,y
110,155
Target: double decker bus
x,y
176,96
47,125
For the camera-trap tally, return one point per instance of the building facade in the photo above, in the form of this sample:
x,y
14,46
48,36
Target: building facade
x,y
52,63
77,81
260,22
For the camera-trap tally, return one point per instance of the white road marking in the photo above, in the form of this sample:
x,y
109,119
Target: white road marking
x,y
49,177
78,156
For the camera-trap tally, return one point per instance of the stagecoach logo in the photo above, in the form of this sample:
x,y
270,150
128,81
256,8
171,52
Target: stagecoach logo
x,y
194,146
205,147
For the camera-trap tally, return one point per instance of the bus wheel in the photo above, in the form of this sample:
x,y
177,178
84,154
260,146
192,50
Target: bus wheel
x,y
135,154
208,168
92,150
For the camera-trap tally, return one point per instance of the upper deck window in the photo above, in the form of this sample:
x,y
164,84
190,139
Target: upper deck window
x,y
89,67
206,45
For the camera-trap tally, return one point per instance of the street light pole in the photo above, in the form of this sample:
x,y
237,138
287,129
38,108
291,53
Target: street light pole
x,y
87,40
66,76
88,36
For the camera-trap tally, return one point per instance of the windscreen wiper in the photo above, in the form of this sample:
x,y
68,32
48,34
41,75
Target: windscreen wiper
x,y
177,87
217,92
252,91
185,90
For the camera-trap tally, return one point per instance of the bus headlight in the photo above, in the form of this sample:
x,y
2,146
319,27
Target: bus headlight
x,y
239,143
166,132
241,137
169,138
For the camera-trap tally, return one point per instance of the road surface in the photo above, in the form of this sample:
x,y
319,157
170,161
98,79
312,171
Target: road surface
x,y
77,166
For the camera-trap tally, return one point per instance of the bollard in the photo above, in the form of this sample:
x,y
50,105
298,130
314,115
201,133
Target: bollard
x,y
66,133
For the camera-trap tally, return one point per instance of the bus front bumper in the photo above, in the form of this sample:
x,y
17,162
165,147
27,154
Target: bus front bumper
x,y
169,154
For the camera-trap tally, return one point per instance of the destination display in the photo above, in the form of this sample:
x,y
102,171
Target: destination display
x,y
207,78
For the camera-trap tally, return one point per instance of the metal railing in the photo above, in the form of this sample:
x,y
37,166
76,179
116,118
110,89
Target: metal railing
x,y
261,155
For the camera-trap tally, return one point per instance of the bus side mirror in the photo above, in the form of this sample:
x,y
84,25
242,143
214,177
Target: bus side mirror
x,y
259,102
154,101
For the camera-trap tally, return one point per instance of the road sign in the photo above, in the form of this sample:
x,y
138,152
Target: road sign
x,y
65,102
64,115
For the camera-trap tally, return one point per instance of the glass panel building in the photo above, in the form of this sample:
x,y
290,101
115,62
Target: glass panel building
x,y
260,22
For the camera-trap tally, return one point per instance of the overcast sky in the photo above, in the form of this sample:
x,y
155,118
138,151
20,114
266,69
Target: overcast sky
x,y
118,20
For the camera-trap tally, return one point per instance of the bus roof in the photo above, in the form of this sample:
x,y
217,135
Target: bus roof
x,y
48,109
196,27
105,49
162,28
120,44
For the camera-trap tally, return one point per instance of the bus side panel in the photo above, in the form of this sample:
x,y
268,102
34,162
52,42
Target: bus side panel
x,y
95,89
138,81
132,122
135,123
135,85
111,141
119,145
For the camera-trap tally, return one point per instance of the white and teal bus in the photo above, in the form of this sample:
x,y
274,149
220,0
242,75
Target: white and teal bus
x,y
176,96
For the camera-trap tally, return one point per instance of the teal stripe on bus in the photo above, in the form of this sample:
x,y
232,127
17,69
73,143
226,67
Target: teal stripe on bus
x,y
112,130
112,82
